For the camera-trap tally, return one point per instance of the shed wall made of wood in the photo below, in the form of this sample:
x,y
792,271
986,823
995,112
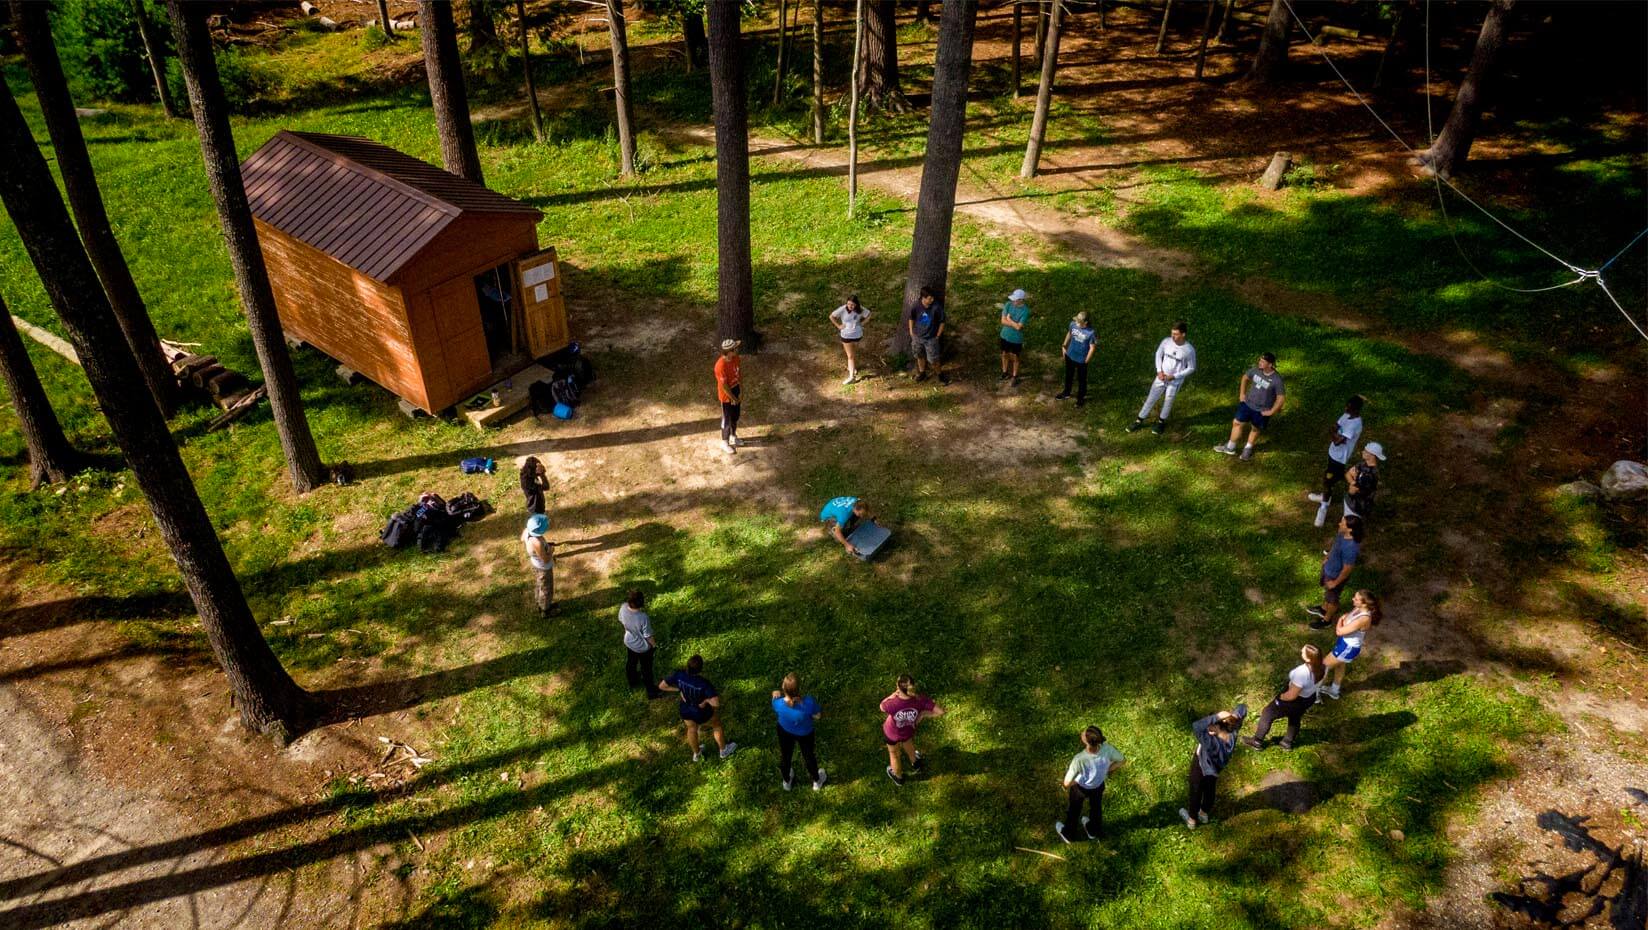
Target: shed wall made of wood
x,y
356,320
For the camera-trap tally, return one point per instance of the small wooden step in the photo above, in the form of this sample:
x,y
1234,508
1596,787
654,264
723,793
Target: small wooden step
x,y
513,397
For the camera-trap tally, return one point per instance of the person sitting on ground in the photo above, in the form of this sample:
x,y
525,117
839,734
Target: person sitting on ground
x,y
1351,631
1296,697
849,320
1362,482
1340,559
540,552
1341,448
797,717
700,706
534,482
1259,397
927,334
1079,345
1084,780
1015,315
1215,743
1175,361
905,708
841,516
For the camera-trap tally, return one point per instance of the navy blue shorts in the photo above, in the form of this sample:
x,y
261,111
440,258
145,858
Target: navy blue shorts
x,y
1246,414
696,714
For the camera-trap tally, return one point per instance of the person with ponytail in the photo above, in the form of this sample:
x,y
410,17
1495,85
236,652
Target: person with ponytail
x,y
1215,744
1352,632
905,708
1084,781
534,484
796,716
1296,697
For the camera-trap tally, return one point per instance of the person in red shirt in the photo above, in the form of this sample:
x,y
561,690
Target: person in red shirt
x,y
727,388
904,709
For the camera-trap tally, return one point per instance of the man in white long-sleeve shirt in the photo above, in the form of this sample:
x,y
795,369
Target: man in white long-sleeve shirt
x,y
1175,361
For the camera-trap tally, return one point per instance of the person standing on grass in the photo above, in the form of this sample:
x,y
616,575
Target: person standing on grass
x,y
728,387
1352,632
1259,397
849,319
1296,697
534,483
1336,568
1175,361
927,335
842,515
1341,448
904,709
796,718
540,553
1362,482
700,706
639,643
1215,743
1084,781
1015,314
1079,346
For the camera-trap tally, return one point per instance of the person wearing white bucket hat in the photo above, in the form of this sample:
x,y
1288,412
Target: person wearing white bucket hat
x,y
1362,481
728,385
1015,313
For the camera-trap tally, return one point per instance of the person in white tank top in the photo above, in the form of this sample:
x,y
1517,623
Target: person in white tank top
x,y
1352,632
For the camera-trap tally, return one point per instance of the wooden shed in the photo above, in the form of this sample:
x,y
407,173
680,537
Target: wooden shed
x,y
428,284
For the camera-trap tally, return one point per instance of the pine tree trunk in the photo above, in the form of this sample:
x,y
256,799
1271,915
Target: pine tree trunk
x,y
482,29
818,72
936,204
1207,33
1161,34
924,11
1018,53
735,306
1271,60
878,59
384,20
778,67
267,698
852,111
1041,29
1044,93
620,87
51,458
153,51
526,74
1224,23
446,89
1392,53
697,43
217,149
1453,145
75,164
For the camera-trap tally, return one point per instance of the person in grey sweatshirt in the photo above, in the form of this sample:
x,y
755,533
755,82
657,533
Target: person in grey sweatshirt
x,y
1215,743
1175,361
639,643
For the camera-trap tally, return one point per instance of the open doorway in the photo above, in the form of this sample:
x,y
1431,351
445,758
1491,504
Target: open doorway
x,y
495,293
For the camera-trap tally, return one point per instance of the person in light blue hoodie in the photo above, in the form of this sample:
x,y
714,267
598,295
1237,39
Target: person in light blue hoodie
x,y
1084,780
1215,743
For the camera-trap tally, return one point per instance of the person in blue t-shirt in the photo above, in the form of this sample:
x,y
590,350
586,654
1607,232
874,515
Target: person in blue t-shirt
x,y
700,706
1336,569
926,328
841,516
1079,345
795,726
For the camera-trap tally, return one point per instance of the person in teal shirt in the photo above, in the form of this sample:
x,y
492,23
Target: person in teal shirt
x,y
841,516
1015,313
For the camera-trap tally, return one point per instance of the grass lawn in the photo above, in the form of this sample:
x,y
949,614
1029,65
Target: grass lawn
x,y
1098,578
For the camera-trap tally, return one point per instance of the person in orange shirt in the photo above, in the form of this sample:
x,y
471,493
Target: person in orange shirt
x,y
727,388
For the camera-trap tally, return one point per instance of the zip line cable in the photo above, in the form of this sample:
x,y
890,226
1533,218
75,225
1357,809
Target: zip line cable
x,y
1580,274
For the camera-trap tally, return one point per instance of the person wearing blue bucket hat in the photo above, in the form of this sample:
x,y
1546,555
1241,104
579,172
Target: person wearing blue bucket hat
x,y
540,552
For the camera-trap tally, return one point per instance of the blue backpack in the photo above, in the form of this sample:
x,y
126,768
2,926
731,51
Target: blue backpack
x,y
478,466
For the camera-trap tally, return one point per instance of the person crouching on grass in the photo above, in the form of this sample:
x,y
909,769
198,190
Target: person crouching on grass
x,y
904,709
797,717
1015,315
1215,743
1298,696
1084,781
700,706
841,516
1352,632
728,387
1340,560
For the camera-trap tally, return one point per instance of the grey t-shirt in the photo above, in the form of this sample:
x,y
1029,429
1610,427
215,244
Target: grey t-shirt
x,y
1263,389
637,627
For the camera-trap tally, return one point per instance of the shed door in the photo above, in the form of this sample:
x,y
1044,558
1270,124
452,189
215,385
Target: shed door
x,y
543,308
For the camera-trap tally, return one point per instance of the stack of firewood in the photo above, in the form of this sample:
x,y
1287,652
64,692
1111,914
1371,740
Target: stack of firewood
x,y
229,390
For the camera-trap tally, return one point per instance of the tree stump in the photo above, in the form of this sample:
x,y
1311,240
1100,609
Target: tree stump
x,y
1279,165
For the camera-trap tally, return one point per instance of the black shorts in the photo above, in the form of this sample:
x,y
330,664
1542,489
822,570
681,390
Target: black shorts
x,y
1331,591
851,338
1011,348
1334,472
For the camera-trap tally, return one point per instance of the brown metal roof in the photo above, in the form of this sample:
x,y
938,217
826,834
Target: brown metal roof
x,y
365,204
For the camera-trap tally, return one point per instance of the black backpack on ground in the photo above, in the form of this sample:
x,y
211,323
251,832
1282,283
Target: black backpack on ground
x,y
467,508
565,390
433,537
401,529
542,397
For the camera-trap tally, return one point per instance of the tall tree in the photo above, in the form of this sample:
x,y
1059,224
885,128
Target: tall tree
x,y
1271,59
51,458
783,47
878,58
267,698
384,21
75,164
620,87
154,51
1044,93
735,305
852,112
1207,33
486,50
1018,50
693,37
1161,34
217,149
941,168
818,72
526,73
446,89
1452,146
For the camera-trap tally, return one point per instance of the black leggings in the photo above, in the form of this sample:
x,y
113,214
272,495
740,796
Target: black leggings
x,y
1095,803
1293,711
729,417
638,670
1202,786
786,753
1079,369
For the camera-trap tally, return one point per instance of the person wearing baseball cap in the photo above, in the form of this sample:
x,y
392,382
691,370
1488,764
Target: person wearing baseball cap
x,y
1015,313
1362,482
540,552
727,387
1215,743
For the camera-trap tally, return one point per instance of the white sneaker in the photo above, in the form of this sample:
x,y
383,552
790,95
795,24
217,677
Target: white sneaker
x,y
729,749
1058,827
851,377
1226,448
823,777
789,781
733,441
1189,820
1315,498
697,757
1322,515
1201,817
1332,691
729,446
